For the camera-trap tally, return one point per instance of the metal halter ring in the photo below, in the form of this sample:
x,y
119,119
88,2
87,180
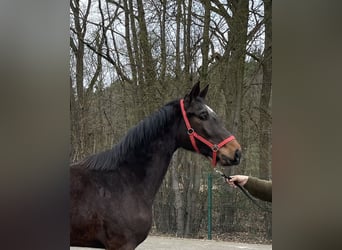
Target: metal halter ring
x,y
215,148
190,131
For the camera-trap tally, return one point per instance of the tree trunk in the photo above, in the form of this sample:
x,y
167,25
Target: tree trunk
x,y
265,117
80,24
205,44
236,61
150,92
133,63
194,197
188,216
178,24
265,125
179,209
187,42
139,85
163,42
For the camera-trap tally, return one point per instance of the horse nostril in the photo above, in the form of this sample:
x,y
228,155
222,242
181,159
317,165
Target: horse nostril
x,y
237,155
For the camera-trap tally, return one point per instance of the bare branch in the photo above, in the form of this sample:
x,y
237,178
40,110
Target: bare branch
x,y
254,56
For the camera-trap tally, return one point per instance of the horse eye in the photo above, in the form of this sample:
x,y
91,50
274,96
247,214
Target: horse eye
x,y
204,116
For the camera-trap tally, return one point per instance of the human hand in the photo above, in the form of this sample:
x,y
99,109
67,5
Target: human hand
x,y
239,179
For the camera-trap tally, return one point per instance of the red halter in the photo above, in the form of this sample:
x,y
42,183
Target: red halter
x,y
193,136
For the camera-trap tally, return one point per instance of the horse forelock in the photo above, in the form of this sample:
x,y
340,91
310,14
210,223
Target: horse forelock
x,y
136,138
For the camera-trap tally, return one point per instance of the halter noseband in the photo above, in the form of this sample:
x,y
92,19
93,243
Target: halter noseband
x,y
193,136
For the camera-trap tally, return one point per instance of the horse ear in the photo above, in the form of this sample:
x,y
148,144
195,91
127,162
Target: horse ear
x,y
195,90
193,93
204,92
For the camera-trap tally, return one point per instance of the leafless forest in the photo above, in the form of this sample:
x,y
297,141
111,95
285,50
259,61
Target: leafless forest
x,y
128,58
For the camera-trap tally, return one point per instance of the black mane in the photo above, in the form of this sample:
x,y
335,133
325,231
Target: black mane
x,y
136,138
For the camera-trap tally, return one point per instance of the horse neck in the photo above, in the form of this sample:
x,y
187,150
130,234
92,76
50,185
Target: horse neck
x,y
161,150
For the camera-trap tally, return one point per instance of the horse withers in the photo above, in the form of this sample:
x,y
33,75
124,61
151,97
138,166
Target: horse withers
x,y
112,192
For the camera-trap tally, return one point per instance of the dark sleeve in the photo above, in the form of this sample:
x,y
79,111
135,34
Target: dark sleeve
x,y
261,189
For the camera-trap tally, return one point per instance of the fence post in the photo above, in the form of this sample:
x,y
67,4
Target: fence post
x,y
209,204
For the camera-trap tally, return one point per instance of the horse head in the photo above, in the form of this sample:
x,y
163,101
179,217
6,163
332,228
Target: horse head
x,y
203,131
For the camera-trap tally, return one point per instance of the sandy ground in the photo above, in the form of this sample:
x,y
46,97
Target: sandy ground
x,y
166,243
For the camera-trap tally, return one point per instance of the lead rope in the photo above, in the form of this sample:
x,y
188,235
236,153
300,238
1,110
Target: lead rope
x,y
244,191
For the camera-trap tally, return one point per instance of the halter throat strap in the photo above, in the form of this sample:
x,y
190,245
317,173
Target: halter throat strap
x,y
193,136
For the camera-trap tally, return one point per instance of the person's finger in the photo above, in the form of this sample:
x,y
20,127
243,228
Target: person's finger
x,y
231,183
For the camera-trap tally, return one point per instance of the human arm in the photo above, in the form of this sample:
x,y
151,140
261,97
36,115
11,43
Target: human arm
x,y
260,189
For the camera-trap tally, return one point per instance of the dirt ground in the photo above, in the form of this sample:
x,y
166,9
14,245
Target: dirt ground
x,y
168,243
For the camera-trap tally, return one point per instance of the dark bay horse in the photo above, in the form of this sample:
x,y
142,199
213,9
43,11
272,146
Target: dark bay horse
x,y
112,192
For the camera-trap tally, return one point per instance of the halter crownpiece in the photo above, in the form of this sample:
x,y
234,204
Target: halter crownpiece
x,y
193,136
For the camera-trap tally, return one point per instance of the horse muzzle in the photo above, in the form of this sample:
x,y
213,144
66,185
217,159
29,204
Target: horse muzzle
x,y
230,154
